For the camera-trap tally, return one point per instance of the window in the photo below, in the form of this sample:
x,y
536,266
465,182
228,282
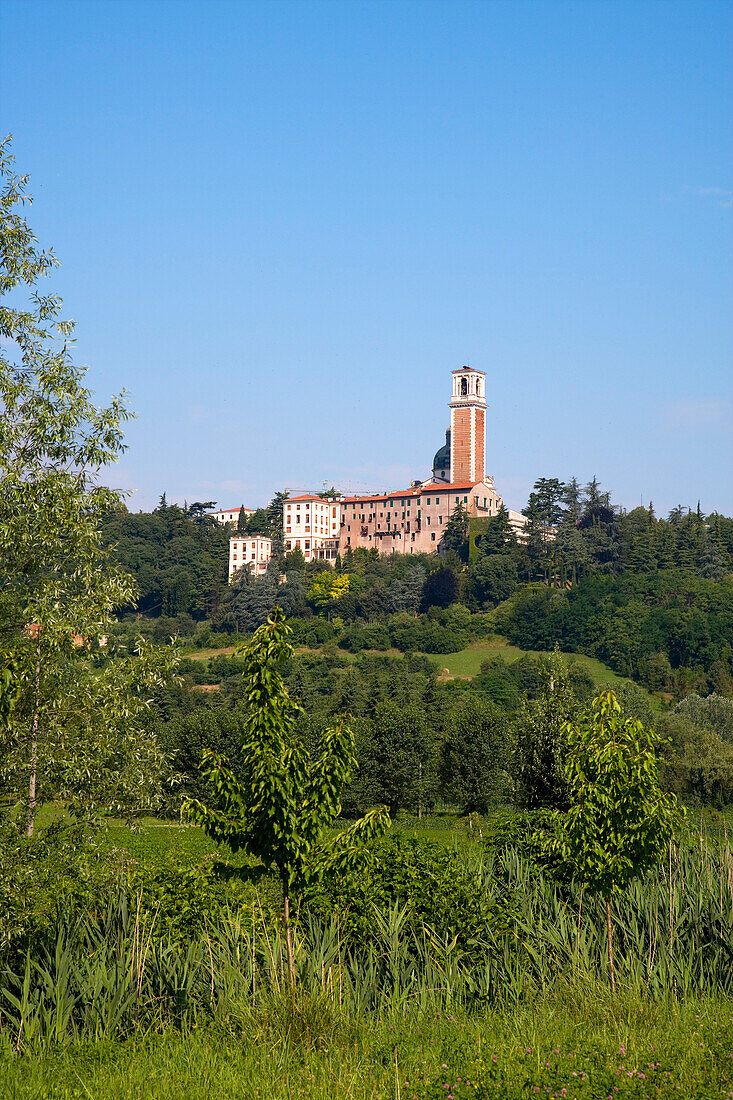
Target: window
x,y
432,536
465,500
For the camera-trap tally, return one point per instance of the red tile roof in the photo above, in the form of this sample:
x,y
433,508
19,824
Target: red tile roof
x,y
438,487
307,496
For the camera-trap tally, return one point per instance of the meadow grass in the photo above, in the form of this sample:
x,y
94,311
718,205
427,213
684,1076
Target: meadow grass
x,y
581,1045
467,662
110,1010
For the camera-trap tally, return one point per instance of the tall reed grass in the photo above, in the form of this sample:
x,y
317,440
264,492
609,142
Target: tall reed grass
x,y
103,976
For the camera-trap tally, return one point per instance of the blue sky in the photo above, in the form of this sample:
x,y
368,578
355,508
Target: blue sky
x,y
282,225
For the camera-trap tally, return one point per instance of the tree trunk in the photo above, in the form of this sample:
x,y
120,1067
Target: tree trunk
x,y
419,792
609,928
34,745
288,935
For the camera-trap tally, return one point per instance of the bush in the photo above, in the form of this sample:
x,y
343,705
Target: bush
x,y
59,871
370,636
431,880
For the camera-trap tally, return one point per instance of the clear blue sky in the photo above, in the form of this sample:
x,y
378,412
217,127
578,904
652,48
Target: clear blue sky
x,y
282,225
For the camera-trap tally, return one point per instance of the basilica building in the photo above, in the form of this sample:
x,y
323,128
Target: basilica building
x,y
412,521
404,521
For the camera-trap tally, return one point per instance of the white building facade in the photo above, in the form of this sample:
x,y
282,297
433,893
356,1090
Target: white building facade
x,y
230,515
252,551
312,524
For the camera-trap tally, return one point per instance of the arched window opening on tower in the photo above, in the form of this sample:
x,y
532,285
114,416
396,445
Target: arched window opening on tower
x,y
464,387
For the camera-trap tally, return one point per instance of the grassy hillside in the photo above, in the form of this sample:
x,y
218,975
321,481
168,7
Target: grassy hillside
x,y
466,663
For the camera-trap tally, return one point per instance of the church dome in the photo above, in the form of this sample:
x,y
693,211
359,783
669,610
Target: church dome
x,y
441,462
442,457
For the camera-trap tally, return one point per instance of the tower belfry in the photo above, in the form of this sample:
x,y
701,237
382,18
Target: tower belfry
x,y
468,426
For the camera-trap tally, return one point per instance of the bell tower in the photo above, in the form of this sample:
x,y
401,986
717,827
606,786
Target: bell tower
x,y
468,426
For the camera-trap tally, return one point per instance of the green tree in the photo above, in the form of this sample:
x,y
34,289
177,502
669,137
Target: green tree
x,y
498,536
242,522
541,741
455,535
327,587
474,755
284,801
78,729
275,522
546,501
295,561
619,822
492,578
258,523
439,589
397,761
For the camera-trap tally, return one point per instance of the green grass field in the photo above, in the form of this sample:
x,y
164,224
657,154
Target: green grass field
x,y
573,1047
467,662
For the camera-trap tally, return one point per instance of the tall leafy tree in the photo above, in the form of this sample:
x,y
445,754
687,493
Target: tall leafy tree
x,y
492,578
498,537
541,741
76,730
439,589
397,764
275,523
455,535
619,821
571,499
474,757
242,522
280,807
546,501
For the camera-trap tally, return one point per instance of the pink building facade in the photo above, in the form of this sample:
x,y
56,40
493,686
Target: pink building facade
x,y
412,521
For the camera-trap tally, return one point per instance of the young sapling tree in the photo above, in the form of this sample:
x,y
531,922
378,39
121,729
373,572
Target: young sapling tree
x,y
279,810
619,822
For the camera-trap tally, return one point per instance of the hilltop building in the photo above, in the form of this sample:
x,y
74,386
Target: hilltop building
x,y
405,521
312,524
411,521
254,551
230,515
